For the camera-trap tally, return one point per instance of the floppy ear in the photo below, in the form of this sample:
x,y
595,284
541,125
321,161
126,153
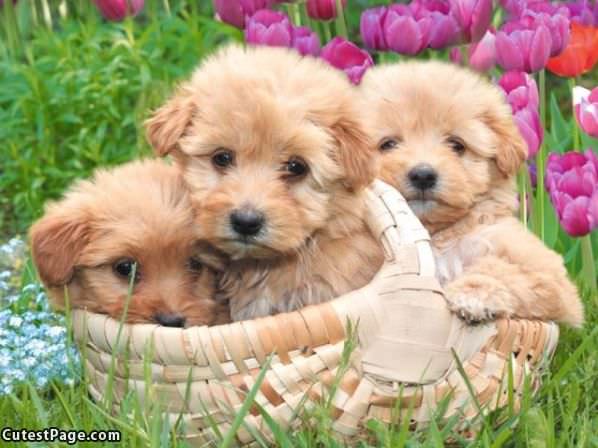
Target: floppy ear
x,y
511,150
357,153
57,241
168,123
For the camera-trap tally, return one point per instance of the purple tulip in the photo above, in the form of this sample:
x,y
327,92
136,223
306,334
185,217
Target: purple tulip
x,y
404,33
267,27
305,41
371,27
235,12
482,54
442,6
444,30
322,9
522,95
473,16
585,103
117,10
347,56
572,182
556,20
523,49
582,12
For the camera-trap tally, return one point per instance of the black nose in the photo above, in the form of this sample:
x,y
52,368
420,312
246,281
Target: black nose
x,y
247,222
170,320
423,177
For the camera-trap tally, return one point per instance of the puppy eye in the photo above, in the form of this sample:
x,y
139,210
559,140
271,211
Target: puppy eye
x,y
124,268
456,144
194,264
223,158
388,144
295,168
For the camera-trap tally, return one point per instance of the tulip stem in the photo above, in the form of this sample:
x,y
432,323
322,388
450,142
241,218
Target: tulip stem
x,y
294,13
576,136
541,161
166,7
522,181
588,266
340,24
327,33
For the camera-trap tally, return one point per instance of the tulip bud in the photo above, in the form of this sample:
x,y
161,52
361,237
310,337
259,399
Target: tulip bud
x,y
235,12
347,56
585,103
305,41
270,28
117,10
323,9
404,33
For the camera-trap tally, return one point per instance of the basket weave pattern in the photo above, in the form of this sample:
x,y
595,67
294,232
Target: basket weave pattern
x,y
407,342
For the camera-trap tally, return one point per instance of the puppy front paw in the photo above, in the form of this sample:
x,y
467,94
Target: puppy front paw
x,y
477,299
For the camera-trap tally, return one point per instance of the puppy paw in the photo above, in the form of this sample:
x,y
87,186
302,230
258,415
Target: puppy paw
x,y
477,299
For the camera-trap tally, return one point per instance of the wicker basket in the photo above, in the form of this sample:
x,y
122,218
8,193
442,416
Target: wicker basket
x,y
407,341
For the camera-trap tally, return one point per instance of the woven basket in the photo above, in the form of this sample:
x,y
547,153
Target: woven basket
x,y
407,341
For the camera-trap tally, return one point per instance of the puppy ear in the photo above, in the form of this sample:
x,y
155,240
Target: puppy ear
x,y
169,122
357,153
57,241
511,150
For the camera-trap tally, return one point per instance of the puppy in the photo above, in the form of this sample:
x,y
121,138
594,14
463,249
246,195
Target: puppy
x,y
450,145
273,150
140,213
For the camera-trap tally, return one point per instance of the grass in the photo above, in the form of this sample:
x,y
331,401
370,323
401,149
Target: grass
x,y
74,97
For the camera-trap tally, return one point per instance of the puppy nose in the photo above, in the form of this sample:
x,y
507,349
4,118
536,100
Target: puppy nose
x,y
423,177
247,222
170,320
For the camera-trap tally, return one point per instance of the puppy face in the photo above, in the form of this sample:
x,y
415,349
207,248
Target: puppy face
x,y
447,137
269,143
136,215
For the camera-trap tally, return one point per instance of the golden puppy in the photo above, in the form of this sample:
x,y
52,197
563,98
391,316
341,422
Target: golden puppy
x,y
275,155
450,145
137,213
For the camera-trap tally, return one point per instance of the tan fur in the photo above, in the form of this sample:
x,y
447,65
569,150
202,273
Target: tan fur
x,y
140,211
268,105
490,265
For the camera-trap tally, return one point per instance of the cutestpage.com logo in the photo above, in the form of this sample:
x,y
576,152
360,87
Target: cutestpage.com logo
x,y
70,437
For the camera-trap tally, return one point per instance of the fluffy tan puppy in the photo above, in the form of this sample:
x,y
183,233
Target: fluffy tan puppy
x,y
449,144
272,147
138,213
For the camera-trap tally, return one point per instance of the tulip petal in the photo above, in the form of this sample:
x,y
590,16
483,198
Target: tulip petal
x,y
540,49
508,54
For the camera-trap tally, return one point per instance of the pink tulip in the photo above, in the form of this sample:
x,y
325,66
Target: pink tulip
x,y
585,103
523,49
322,9
556,20
572,181
371,27
482,54
522,94
404,33
444,30
267,27
456,56
521,90
305,41
347,56
473,16
235,12
117,10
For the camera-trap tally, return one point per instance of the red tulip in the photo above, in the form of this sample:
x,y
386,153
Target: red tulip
x,y
323,9
117,10
580,55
